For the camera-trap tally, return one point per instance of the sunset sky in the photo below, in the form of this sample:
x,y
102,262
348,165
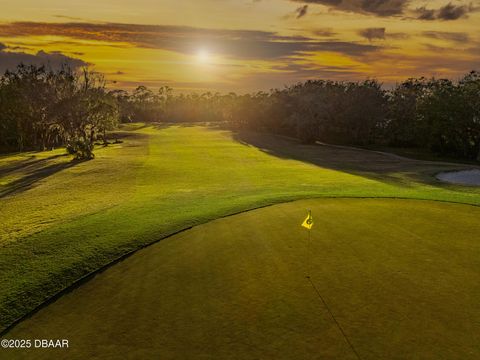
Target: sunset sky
x,y
244,45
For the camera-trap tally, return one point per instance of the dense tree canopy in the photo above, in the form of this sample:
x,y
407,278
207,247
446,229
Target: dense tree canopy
x,y
41,108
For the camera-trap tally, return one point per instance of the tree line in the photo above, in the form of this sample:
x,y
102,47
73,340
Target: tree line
x,y
439,115
42,108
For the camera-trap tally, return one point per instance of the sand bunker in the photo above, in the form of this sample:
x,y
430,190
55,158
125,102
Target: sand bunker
x,y
464,177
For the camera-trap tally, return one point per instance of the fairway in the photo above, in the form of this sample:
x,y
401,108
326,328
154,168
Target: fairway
x,y
400,281
389,268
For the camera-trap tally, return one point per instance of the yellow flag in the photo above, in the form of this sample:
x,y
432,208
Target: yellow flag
x,y
308,222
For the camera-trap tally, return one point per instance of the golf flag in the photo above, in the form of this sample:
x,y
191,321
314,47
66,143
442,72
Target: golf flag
x,y
308,222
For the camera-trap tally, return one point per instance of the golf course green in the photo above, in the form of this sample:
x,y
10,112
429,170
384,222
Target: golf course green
x,y
392,273
393,259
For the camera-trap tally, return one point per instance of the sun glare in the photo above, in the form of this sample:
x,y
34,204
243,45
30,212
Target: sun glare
x,y
203,56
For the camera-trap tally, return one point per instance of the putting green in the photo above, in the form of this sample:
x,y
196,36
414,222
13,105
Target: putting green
x,y
399,276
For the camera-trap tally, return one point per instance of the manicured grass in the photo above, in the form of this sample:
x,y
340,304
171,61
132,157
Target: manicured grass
x,y
399,276
421,154
39,190
62,224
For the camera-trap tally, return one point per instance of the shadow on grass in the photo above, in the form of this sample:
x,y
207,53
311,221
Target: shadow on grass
x,y
387,168
30,161
132,128
164,125
39,171
383,167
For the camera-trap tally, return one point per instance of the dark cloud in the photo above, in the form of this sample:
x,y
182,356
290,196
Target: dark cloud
x,y
447,12
243,44
301,11
372,33
375,7
450,36
10,60
385,8
422,13
380,33
436,49
326,32
452,12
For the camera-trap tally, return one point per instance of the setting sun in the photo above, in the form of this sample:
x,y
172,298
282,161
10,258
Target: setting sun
x,y
203,56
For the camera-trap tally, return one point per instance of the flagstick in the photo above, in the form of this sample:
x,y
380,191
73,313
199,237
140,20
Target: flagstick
x,y
308,255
